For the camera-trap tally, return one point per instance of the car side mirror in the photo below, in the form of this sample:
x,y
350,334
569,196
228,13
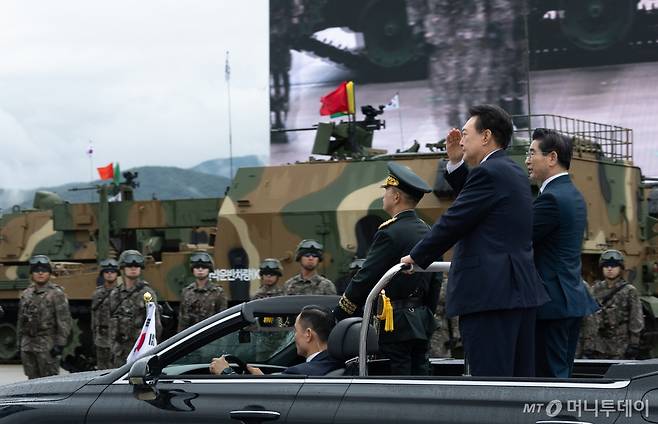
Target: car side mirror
x,y
145,371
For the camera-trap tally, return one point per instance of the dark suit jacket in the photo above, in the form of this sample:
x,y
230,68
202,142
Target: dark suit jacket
x,y
320,365
490,226
559,220
393,240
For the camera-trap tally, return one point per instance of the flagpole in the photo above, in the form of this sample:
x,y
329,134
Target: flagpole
x,y
90,153
227,75
397,93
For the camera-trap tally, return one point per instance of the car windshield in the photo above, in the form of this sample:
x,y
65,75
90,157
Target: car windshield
x,y
259,343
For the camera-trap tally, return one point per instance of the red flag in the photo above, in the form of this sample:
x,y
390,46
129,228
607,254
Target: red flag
x,y
106,172
336,101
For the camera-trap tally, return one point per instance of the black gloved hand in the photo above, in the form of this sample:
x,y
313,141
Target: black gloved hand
x,y
56,351
632,351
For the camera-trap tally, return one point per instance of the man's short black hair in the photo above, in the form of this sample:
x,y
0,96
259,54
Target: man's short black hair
x,y
494,119
319,319
552,141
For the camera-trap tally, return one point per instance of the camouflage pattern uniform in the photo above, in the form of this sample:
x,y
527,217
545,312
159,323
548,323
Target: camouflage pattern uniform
x,y
617,325
316,285
445,340
127,316
198,304
44,322
506,47
268,291
100,326
456,33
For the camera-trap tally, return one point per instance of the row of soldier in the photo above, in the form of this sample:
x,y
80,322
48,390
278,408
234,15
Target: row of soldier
x,y
118,310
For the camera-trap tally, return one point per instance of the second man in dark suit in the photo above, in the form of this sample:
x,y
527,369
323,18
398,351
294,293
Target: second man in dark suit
x,y
559,220
493,285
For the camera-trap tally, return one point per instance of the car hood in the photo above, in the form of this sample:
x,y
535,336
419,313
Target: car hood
x,y
47,388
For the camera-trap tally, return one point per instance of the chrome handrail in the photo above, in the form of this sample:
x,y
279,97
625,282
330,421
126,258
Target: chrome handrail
x,y
367,308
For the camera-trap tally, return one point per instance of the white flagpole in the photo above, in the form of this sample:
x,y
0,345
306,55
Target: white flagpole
x,y
227,76
90,153
397,94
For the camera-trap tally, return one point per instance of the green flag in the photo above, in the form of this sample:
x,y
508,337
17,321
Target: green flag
x,y
117,174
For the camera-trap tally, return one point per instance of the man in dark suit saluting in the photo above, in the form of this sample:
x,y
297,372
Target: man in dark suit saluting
x,y
559,219
493,285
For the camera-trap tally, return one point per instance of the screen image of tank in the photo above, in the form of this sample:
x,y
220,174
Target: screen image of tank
x,y
427,61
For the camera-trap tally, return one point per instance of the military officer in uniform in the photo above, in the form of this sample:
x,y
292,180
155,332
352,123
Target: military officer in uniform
x,y
308,281
270,272
201,299
100,313
413,297
44,321
127,307
614,331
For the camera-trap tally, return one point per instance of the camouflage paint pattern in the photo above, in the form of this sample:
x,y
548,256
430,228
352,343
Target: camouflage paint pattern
x,y
165,231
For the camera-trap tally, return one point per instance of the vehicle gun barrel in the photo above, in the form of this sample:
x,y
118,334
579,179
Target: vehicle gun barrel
x,y
367,308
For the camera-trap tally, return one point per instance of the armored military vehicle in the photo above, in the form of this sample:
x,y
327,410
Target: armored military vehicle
x,y
337,201
76,236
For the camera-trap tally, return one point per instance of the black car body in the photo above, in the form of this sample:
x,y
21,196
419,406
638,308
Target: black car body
x,y
173,384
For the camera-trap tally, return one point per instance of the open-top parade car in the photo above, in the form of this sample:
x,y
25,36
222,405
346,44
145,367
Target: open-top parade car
x,y
173,383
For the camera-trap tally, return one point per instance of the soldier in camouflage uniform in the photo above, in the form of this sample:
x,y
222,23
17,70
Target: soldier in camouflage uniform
x,y
270,272
100,313
308,281
614,331
201,299
44,321
445,341
127,307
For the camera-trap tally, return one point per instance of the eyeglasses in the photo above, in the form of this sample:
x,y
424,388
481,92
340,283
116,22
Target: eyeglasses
x,y
311,255
113,271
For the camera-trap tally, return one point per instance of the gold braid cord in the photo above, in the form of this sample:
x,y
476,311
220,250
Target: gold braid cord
x,y
347,305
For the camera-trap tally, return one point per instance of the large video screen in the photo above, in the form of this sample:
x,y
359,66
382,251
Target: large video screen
x,y
427,61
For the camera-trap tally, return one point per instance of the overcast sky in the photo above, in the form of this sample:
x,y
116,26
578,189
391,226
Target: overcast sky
x,y
144,80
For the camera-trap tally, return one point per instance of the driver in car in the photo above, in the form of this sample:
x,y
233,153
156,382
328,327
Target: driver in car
x,y
312,328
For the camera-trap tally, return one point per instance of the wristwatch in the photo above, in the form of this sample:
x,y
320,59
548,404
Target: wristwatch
x,y
228,371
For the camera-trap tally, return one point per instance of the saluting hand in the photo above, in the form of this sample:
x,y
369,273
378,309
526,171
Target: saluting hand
x,y
454,150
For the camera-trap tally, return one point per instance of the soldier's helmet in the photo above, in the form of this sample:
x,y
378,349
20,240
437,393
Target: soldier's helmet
x,y
611,257
40,263
271,266
131,257
309,247
109,265
202,258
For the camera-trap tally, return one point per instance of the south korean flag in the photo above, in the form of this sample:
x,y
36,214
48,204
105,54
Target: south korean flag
x,y
146,340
